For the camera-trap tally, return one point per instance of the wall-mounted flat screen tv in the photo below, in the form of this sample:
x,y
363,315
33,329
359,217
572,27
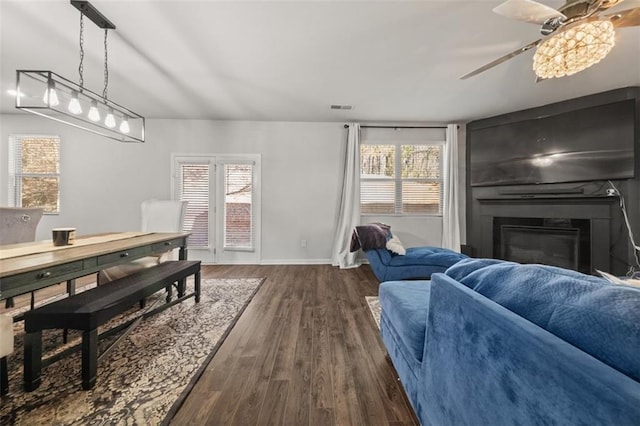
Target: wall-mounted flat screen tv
x,y
595,143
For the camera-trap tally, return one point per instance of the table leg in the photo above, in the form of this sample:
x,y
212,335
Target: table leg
x,y
182,284
169,293
71,290
4,376
71,287
197,286
32,360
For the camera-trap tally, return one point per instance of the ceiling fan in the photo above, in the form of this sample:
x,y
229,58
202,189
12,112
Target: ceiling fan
x,y
574,37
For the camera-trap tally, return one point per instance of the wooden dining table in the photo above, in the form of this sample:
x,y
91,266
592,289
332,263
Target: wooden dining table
x,y
28,267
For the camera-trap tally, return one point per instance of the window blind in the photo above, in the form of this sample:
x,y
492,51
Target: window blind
x,y
238,206
194,188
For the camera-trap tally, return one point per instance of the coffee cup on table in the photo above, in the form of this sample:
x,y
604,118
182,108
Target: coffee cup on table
x,y
63,236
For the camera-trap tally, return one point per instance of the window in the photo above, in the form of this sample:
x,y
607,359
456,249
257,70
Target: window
x,y
193,186
401,179
34,172
238,206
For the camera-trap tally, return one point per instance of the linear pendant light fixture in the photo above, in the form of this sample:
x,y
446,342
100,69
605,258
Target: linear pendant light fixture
x,y
52,96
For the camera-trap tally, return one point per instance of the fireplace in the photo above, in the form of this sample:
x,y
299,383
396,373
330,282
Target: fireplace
x,y
577,226
551,241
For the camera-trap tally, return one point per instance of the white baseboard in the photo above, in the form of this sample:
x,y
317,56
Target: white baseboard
x,y
296,262
283,262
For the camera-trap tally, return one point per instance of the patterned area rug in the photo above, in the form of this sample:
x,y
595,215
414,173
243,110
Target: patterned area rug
x,y
374,307
145,378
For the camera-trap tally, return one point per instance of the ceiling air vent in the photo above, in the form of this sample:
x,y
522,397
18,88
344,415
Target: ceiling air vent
x,y
336,106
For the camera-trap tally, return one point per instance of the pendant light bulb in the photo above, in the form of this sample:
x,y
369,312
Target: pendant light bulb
x,y
94,114
110,120
124,126
50,95
74,104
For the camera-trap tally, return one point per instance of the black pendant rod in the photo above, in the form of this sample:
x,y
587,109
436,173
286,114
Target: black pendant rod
x,y
346,126
88,10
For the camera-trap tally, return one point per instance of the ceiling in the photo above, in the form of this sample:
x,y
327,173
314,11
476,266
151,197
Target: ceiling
x,y
394,61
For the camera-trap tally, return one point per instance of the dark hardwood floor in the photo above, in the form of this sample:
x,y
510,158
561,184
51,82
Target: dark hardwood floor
x,y
305,352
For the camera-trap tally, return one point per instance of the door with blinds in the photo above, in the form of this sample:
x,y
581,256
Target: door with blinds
x,y
222,215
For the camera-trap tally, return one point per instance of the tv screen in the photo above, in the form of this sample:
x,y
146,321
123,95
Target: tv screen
x,y
594,143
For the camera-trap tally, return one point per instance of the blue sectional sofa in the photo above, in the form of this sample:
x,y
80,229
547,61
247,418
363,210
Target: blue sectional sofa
x,y
418,262
412,263
498,343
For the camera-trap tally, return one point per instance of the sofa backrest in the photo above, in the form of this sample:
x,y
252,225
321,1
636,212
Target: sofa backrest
x,y
486,365
598,317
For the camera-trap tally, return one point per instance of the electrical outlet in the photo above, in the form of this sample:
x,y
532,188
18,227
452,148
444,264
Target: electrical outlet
x,y
303,243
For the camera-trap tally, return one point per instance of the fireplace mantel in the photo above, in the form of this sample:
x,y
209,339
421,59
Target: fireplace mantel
x,y
549,199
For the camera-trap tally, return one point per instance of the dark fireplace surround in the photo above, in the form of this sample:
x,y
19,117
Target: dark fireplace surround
x,y
559,242
570,232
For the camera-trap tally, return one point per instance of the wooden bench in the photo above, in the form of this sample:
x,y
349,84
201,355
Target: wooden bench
x,y
88,310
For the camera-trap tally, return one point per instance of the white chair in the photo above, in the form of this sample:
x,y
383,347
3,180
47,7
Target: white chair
x,y
157,216
18,225
6,348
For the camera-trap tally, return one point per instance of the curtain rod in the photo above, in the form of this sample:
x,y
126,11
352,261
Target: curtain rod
x,y
346,126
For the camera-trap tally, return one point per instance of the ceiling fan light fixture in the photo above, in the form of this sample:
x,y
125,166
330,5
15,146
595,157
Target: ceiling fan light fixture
x,y
574,49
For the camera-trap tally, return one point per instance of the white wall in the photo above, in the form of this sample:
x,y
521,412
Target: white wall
x,y
103,181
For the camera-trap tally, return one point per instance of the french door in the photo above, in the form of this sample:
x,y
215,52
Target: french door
x,y
223,210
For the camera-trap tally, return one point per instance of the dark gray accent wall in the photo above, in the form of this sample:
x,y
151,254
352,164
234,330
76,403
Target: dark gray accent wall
x,y
611,250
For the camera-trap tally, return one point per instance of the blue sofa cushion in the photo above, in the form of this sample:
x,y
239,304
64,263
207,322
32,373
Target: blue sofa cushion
x,y
590,313
405,304
382,256
417,263
434,256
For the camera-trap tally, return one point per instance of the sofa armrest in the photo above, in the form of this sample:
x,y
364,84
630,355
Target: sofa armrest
x,y
483,364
